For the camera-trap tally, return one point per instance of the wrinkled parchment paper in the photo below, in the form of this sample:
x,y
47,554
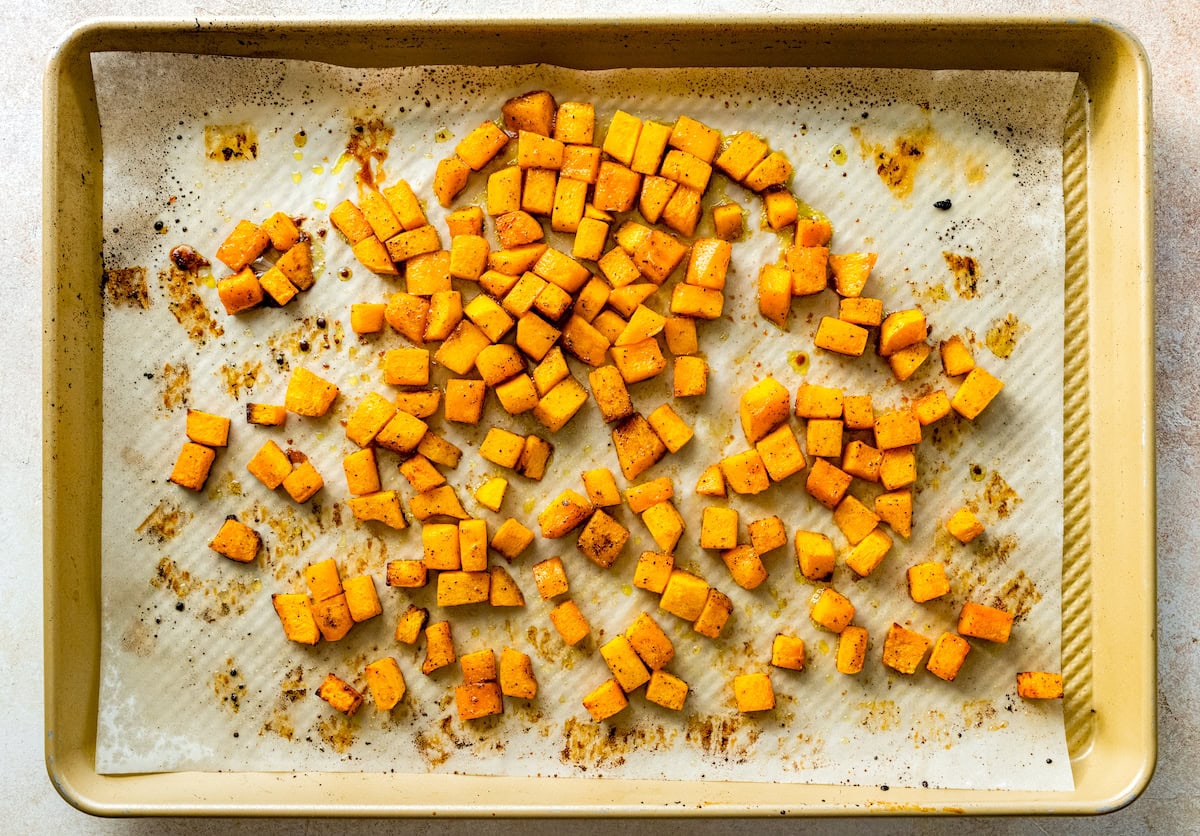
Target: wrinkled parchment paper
x,y
196,673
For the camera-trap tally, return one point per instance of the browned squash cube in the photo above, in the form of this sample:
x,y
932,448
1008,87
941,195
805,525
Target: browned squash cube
x,y
652,571
983,622
745,566
832,610
869,552
667,690
194,462
753,692
626,666
295,614
852,650
684,595
637,445
570,623
788,652
511,539
386,683
602,539
927,581
504,591
551,578
649,641
236,541
605,701
1039,685
439,647
516,675
745,473
478,699
339,694
270,465
207,429
411,622
564,514
814,555
407,574
767,534
381,506
854,519
904,649
947,657
714,615
246,243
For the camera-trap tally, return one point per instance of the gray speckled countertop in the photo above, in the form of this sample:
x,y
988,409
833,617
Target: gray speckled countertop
x,y
1167,28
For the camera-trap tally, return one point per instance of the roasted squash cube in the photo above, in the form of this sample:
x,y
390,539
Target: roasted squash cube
x,y
1039,685
270,465
869,552
715,614
404,202
239,292
439,502
932,407
421,474
667,690
602,539
637,446
904,649
814,401
741,155
411,621
566,513
408,315
236,541
333,617
975,393
458,588
896,428
348,219
605,701
533,111
402,433
464,400
832,610
558,406
927,581
851,271
381,506
626,666
308,394
767,534
718,528
266,415
983,622
956,356
840,337
947,657
516,675
861,311
194,463
852,650
895,509
481,145
649,641
340,695
570,623
814,555
728,222
491,493
854,519
459,351
665,525
465,221
964,525
551,578
295,614
303,482
905,362
361,597
763,407
439,543
745,473
788,652
773,170
478,699
753,692
690,377
827,483
775,294
511,538
386,683
672,429
652,571
684,595
823,437
538,151
504,591
439,648
745,566
245,243
858,412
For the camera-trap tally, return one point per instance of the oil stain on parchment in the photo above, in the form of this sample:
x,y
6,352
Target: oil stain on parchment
x,y
311,335
439,742
966,273
932,729
236,379
291,691
186,306
176,385
879,715
587,745
125,287
931,292
999,496
1002,337
1018,596
730,738
165,522
218,599
229,686
897,164
230,143
368,146
169,575
338,732
138,639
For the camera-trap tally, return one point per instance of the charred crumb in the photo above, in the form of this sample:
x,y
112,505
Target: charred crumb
x,y
942,204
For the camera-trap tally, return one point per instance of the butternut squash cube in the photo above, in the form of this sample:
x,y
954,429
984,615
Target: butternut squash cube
x,y
513,261
781,454
245,243
932,407
551,578
439,647
440,547
478,699
640,497
402,433
975,393
787,652
904,649
323,580
406,367
582,340
464,400
905,362
852,650
698,302
964,525
570,623
898,467
684,595
465,221
303,482
536,151
270,465
741,155
637,446
672,429
551,371
897,428
381,506
502,447
333,617
590,238
763,407
814,401
266,415
718,528
665,524
491,493
667,690
566,513
686,169
869,552
462,347
813,231
240,292
895,509
728,223
626,666
518,395
983,622
605,701
1038,685
386,683
504,590
656,194
621,139
814,555
361,597
295,615
854,519
649,642
745,473
511,539
408,315
580,162
715,614
195,461
775,294
467,259
900,330
683,210
809,270
601,487
626,301
827,483
421,474
862,460
516,675
690,377
753,692
439,502
618,267
236,541
947,657
309,395
832,610
480,146
643,324
570,203
652,571
695,138
348,220
602,539
340,695
840,337
680,332
498,363
532,111
767,534
403,200
534,458
745,566
956,356
927,581
861,311
367,317
773,170
410,244
616,188
458,588
823,437
379,214
858,412
558,406
851,271
517,228
439,450
411,621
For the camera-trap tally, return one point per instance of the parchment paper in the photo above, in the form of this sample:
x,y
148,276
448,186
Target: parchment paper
x,y
196,673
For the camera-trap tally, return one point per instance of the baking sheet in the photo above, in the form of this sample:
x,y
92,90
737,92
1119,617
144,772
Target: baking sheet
x,y
989,141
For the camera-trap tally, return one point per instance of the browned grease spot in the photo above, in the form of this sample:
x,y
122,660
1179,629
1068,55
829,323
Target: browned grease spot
x,y
229,686
292,534
243,378
588,745
723,736
999,496
306,335
897,166
364,556
337,730
177,385
966,273
1018,596
931,292
229,143
125,287
168,575
291,690
976,713
138,639
931,728
229,599
879,715
997,550
188,260
1002,337
975,171
224,485
187,307
368,143
164,522
547,646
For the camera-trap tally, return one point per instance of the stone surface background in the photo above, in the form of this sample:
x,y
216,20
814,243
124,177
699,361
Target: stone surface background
x,y
1168,30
